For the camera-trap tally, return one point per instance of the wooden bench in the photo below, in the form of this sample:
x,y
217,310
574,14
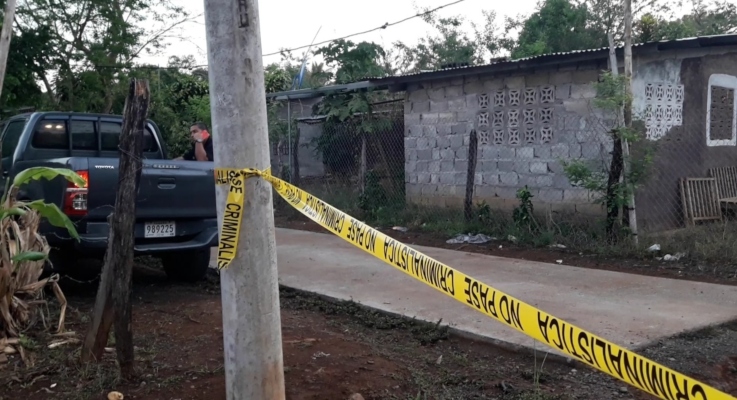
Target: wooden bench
x,y
700,198
726,179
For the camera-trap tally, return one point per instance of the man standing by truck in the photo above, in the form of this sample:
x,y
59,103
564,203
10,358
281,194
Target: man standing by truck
x,y
201,144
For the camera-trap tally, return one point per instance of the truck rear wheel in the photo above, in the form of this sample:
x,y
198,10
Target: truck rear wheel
x,y
187,266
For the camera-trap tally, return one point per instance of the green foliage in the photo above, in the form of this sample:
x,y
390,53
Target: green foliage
x,y
36,173
557,26
450,43
523,215
611,97
610,93
49,211
712,17
373,197
29,256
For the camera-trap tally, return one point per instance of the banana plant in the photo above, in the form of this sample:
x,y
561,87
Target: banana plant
x,y
24,251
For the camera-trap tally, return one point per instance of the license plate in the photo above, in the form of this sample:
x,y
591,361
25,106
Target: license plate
x,y
160,229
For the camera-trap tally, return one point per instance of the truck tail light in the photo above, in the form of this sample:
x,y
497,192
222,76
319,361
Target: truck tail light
x,y
75,197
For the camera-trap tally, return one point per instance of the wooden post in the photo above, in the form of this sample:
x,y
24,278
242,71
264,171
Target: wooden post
x,y
473,149
113,295
254,368
5,36
628,115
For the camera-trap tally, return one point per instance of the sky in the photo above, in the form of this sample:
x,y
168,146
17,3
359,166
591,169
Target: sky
x,y
294,23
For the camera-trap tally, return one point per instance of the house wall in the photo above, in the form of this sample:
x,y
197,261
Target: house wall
x,y
526,125
682,147
670,103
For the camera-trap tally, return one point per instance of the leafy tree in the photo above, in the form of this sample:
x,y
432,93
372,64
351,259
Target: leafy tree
x,y
91,42
452,44
706,18
557,26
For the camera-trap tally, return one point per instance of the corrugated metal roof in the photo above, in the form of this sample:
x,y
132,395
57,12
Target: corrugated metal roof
x,y
526,62
692,42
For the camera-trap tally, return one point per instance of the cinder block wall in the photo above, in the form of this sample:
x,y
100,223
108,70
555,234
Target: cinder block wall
x,y
527,124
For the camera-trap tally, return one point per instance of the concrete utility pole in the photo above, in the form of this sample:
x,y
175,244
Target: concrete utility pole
x,y
250,293
5,36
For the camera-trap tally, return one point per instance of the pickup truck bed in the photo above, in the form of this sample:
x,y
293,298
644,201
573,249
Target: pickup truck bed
x,y
176,217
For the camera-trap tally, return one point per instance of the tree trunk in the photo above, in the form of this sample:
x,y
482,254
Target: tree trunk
x,y
613,187
113,296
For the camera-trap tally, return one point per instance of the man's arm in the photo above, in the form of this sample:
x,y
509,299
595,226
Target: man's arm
x,y
199,152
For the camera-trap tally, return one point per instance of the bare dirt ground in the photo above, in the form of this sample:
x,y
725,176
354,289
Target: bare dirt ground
x,y
331,351
694,271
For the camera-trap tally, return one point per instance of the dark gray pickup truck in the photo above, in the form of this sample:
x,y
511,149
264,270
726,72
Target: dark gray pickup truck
x,y
176,217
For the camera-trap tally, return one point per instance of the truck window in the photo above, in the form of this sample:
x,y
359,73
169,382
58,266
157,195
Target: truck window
x,y
83,135
110,137
12,134
50,134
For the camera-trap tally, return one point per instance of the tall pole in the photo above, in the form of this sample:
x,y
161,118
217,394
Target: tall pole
x,y
5,36
628,115
249,287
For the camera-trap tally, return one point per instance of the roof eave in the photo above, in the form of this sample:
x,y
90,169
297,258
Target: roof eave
x,y
325,90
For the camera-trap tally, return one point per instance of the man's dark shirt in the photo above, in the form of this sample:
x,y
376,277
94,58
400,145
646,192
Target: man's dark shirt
x,y
190,155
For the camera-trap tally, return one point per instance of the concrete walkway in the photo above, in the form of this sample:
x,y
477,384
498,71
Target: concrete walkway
x,y
630,310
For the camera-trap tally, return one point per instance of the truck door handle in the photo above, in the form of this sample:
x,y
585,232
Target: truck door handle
x,y
167,183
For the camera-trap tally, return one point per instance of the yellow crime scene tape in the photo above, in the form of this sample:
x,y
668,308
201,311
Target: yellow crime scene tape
x,y
580,344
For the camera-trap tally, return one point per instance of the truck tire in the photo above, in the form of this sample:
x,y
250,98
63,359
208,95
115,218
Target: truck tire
x,y
187,266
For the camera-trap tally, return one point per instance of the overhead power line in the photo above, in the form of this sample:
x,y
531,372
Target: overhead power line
x,y
386,25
